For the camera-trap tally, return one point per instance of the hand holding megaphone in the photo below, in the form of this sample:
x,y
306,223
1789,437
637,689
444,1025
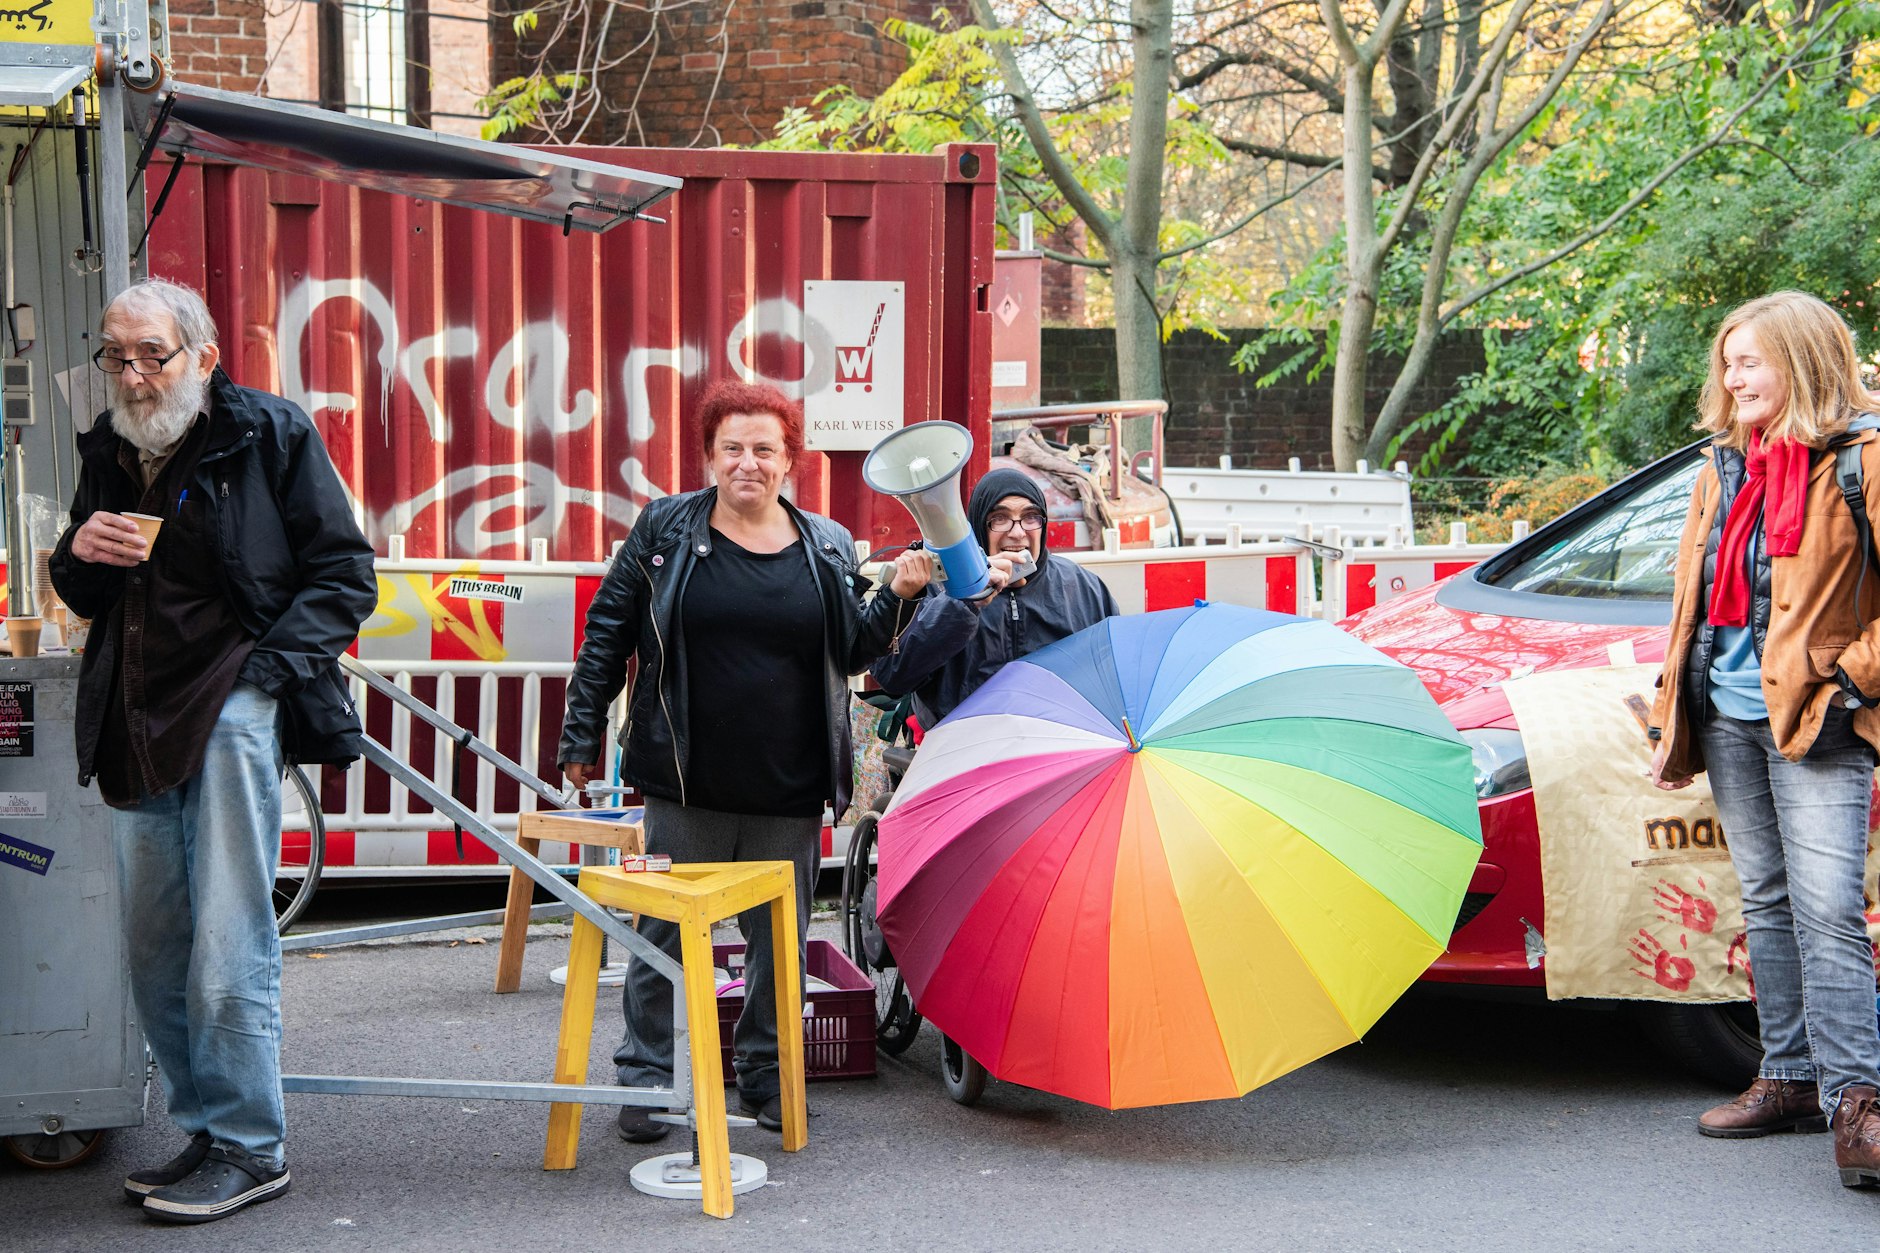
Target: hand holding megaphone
x,y
920,466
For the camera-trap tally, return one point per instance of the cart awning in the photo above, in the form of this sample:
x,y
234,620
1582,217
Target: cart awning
x,y
40,86
530,183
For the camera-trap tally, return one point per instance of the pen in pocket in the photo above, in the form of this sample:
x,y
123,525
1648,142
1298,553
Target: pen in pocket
x,y
181,499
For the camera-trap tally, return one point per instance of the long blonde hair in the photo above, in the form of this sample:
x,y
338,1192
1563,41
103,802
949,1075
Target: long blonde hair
x,y
1806,340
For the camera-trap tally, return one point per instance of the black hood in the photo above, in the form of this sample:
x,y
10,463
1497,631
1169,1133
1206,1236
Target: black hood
x,y
995,487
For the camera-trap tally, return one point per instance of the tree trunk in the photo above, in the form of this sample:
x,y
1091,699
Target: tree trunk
x,y
1350,372
1138,330
1133,262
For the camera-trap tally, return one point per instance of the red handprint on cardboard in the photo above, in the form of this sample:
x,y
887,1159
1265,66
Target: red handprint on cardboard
x,y
1693,912
1665,968
1738,953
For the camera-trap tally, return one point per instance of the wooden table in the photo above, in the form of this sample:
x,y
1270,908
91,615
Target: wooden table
x,y
609,828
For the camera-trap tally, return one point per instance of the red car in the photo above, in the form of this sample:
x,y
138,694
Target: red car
x,y
1596,576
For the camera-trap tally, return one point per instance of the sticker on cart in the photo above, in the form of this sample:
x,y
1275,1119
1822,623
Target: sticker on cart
x,y
22,804
16,720
486,589
24,854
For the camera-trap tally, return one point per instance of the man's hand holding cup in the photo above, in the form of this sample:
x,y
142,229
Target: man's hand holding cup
x,y
110,539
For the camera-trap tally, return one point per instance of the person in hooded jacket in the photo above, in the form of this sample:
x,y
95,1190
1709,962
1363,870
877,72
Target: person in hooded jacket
x,y
1770,685
952,646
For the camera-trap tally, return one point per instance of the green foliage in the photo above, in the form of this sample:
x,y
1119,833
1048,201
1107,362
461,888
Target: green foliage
x,y
1602,354
952,92
515,104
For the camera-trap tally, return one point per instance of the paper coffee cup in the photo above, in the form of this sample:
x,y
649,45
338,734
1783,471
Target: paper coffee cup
x,y
147,524
23,633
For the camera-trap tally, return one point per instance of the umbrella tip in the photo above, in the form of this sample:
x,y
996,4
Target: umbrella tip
x,y
1135,745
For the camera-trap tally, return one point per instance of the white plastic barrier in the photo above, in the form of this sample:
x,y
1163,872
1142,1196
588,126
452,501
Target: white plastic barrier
x,y
1271,504
491,644
1263,576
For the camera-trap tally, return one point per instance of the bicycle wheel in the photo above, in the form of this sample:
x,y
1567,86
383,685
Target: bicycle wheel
x,y
897,1022
294,885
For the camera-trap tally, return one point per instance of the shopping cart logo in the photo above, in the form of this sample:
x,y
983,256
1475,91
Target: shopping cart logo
x,y
856,366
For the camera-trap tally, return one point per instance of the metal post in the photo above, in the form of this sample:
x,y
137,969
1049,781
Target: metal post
x,y
114,221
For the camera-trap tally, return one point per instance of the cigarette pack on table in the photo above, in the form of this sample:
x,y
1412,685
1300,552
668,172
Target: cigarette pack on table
x,y
636,863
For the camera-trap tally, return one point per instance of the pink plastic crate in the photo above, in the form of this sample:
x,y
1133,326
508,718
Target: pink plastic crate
x,y
839,1022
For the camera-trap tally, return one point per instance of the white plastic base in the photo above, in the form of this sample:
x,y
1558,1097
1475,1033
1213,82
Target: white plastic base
x,y
675,1176
612,976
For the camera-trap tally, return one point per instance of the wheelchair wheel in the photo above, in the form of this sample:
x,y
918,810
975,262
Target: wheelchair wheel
x,y
965,1079
295,884
897,1022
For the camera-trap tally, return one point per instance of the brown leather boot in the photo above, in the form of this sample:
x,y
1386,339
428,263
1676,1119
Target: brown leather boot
x,y
1857,1136
1770,1105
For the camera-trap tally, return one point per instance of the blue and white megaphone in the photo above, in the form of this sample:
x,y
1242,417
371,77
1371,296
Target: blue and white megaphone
x,y
919,465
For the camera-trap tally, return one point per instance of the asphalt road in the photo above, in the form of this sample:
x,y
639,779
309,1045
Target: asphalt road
x,y
1457,1124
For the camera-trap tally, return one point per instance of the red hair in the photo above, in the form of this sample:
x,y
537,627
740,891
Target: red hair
x,y
731,395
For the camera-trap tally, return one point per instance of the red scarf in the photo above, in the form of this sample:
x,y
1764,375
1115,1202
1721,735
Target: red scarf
x,y
1780,471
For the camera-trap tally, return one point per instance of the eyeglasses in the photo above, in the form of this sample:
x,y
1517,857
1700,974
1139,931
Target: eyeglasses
x,y
1031,520
111,363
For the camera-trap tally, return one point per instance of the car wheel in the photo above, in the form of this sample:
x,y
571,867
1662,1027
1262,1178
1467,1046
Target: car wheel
x,y
1718,1042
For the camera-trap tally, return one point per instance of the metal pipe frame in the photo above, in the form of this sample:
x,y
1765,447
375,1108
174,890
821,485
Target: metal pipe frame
x,y
418,926
678,1097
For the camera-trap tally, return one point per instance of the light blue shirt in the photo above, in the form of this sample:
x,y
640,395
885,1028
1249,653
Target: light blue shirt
x,y
1735,669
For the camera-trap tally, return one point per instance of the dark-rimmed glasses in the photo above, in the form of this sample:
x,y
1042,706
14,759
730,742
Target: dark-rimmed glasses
x,y
1031,520
110,363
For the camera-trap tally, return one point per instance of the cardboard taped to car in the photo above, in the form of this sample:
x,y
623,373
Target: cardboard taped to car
x,y
1641,900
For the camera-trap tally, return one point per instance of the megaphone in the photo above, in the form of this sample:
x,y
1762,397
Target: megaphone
x,y
919,465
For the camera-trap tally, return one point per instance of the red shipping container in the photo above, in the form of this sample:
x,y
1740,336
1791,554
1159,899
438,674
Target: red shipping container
x,y
483,381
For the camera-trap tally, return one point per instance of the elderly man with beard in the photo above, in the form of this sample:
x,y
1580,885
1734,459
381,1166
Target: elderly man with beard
x,y
952,646
212,661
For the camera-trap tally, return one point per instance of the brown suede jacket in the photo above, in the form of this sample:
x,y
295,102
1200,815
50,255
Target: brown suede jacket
x,y
1812,622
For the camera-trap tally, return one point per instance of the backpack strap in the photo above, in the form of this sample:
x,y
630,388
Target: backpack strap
x,y
1847,475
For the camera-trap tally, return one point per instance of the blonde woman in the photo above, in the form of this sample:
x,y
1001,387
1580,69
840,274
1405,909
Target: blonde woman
x,y
1770,683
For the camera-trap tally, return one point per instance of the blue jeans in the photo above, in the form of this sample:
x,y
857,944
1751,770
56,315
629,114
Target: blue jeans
x,y
197,865
1798,838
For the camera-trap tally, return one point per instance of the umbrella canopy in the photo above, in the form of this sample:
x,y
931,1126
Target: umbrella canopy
x,y
1177,855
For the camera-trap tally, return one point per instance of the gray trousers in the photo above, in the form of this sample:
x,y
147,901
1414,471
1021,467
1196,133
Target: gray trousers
x,y
687,834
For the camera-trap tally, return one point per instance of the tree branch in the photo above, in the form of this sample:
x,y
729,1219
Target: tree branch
x,y
1715,139
1270,205
1018,90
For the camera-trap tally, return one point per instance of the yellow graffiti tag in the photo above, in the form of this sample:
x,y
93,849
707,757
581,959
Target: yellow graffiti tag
x,y
477,635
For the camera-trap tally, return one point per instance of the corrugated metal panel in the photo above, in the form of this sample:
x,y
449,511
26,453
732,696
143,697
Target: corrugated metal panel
x,y
483,382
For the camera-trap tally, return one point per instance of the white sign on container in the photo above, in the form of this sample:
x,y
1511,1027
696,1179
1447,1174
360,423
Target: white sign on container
x,y
858,395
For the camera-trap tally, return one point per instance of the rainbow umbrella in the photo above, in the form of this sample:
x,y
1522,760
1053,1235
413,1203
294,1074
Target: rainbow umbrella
x,y
1177,855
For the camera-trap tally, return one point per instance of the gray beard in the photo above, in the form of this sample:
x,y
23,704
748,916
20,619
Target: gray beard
x,y
156,427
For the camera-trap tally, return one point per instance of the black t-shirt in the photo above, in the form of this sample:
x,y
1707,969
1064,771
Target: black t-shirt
x,y
753,628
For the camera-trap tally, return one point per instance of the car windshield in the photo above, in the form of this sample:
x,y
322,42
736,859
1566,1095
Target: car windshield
x,y
1624,550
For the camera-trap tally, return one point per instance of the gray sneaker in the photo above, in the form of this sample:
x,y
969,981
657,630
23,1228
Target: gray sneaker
x,y
141,1183
228,1180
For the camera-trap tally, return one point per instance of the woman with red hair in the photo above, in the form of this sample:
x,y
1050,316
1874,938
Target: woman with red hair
x,y
745,616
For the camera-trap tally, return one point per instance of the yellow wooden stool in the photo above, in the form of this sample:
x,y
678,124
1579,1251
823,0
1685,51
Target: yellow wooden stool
x,y
694,897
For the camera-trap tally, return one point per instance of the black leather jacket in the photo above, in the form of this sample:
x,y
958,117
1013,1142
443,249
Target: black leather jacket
x,y
636,614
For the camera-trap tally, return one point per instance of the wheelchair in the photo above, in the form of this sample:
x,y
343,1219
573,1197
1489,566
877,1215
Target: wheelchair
x,y
897,1019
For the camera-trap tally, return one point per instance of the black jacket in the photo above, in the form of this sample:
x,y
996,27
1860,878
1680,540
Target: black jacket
x,y
951,648
298,569
636,614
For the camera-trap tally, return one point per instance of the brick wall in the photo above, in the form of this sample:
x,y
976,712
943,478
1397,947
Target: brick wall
x,y
1214,409
219,43
718,82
